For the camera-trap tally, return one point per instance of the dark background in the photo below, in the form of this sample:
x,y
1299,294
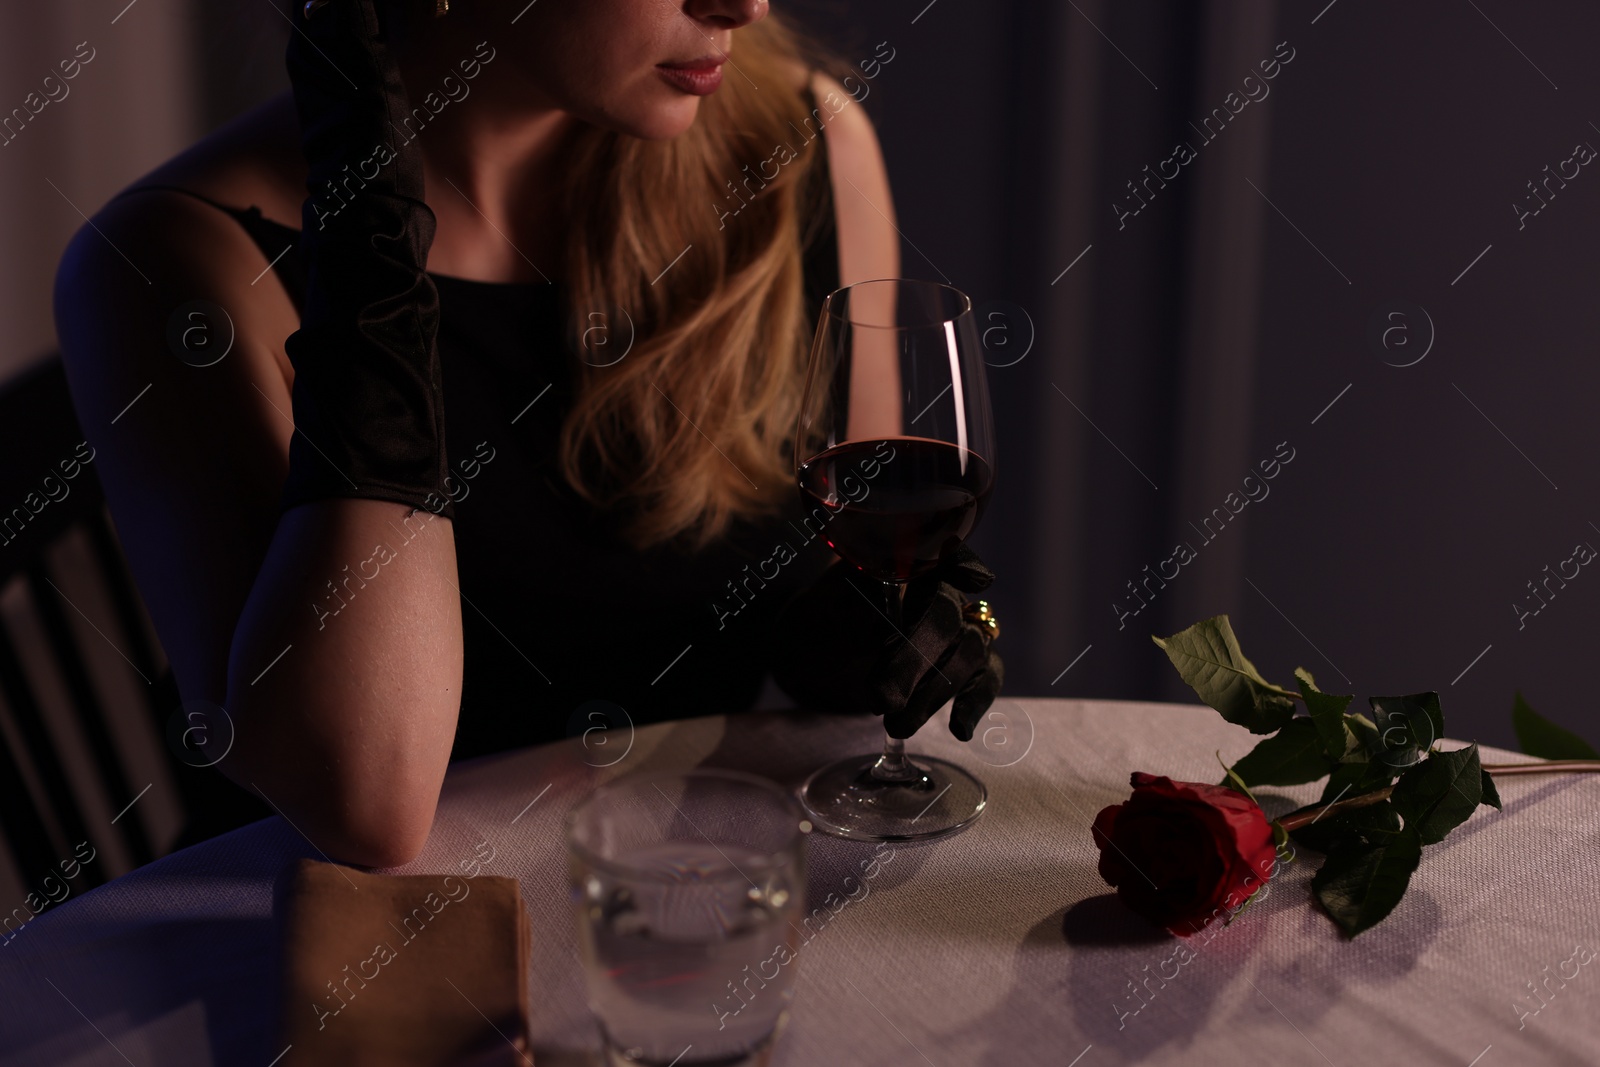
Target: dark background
x,y
1182,347
1215,325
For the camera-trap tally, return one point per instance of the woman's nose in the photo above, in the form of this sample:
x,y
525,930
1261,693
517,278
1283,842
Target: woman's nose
x,y
726,14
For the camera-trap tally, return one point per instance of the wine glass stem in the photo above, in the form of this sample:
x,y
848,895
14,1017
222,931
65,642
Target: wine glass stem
x,y
893,766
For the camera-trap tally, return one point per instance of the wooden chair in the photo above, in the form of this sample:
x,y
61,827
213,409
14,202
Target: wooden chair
x,y
41,815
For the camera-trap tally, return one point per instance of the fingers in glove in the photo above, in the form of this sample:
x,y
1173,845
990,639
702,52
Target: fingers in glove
x,y
964,570
350,97
960,573
976,697
940,680
915,649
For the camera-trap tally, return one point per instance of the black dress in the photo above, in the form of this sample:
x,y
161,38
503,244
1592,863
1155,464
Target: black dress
x,y
560,618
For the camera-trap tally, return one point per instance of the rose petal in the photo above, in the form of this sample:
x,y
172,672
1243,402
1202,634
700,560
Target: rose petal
x,y
1113,868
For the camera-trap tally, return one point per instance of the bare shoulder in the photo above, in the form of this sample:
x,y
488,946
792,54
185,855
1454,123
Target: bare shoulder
x,y
850,132
175,359
146,253
869,245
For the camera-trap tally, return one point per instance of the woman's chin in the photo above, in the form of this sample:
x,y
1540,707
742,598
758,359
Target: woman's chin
x,y
647,108
664,121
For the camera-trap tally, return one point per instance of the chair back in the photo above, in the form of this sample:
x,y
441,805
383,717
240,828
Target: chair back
x,y
57,742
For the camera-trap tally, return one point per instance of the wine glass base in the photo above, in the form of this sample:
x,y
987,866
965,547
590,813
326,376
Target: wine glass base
x,y
845,800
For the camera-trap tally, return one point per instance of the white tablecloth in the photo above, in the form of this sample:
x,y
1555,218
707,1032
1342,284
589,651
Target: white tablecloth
x,y
996,946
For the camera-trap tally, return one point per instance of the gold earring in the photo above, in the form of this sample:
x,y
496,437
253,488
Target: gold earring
x,y
440,7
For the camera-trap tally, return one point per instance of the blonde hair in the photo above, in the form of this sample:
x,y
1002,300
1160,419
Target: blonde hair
x,y
690,430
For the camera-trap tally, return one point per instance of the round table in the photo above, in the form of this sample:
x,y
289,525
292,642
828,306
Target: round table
x,y
999,945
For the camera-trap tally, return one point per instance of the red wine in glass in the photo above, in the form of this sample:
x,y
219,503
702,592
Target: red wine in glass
x,y
914,507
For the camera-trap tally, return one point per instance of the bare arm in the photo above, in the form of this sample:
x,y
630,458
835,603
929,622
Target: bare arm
x,y
869,244
869,248
344,721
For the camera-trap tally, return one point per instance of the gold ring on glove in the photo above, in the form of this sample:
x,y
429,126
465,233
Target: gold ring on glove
x,y
981,614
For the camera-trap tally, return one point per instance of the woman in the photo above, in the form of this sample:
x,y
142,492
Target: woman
x,y
503,425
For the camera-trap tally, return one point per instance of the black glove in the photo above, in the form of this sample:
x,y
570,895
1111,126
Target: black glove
x,y
367,397
834,646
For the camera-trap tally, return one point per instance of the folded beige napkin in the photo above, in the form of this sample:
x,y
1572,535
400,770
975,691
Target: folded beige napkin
x,y
400,970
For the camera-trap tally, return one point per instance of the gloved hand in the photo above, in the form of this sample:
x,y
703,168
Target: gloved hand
x,y
367,397
834,647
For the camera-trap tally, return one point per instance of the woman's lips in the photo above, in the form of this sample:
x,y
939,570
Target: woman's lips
x,y
699,77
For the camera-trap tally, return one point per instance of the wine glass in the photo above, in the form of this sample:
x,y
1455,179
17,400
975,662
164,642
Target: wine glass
x,y
894,455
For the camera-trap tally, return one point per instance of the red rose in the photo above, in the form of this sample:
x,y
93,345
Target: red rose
x,y
1183,853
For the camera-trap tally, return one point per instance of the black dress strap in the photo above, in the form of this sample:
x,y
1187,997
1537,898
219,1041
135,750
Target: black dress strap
x,y
234,211
270,237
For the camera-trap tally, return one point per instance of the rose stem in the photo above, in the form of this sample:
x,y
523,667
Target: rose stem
x,y
1305,818
1573,766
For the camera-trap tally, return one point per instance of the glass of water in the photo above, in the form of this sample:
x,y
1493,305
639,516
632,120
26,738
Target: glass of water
x,y
688,889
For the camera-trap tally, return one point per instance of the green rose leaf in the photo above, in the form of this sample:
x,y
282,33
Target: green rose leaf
x,y
1491,795
1440,793
1365,734
1538,736
1292,756
1327,712
1357,829
1359,886
1407,727
1207,656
